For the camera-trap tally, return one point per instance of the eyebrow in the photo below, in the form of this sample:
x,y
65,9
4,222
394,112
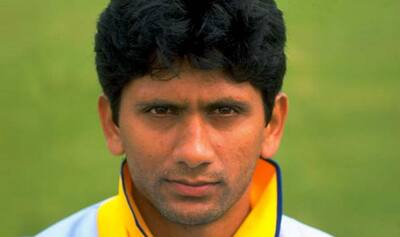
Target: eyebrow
x,y
160,102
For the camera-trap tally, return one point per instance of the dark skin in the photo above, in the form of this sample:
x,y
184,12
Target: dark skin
x,y
191,144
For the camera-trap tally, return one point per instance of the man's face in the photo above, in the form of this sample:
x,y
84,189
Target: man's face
x,y
191,142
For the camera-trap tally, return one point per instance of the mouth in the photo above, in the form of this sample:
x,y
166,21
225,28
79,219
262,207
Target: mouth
x,y
192,188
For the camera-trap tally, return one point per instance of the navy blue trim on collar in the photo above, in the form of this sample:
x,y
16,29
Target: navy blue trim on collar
x,y
279,190
127,199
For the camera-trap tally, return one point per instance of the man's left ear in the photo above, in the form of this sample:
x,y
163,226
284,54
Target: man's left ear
x,y
274,130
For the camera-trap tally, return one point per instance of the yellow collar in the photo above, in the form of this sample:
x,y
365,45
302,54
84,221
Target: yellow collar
x,y
119,215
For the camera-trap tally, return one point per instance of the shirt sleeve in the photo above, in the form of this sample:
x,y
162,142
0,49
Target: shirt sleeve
x,y
82,223
293,228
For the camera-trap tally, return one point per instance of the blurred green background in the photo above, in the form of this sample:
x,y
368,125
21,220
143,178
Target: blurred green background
x,y
340,154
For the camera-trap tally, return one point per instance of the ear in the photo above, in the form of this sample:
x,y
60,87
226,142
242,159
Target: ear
x,y
274,130
110,129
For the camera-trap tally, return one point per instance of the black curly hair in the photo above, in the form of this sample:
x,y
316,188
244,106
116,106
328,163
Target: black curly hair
x,y
243,38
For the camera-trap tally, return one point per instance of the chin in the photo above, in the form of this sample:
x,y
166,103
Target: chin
x,y
191,217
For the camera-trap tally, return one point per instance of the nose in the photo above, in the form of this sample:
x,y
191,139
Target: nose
x,y
193,148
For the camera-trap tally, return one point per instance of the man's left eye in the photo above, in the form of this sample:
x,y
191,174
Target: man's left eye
x,y
225,110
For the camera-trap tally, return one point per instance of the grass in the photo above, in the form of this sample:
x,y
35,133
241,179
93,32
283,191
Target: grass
x,y
339,155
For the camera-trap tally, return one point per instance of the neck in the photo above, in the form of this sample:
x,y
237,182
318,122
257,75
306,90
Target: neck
x,y
225,226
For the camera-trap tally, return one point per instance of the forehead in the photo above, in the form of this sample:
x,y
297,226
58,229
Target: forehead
x,y
190,84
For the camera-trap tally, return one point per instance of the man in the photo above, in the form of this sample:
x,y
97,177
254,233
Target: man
x,y
192,100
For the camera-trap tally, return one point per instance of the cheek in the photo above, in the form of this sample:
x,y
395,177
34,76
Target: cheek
x,y
145,153
244,159
240,151
245,141
140,141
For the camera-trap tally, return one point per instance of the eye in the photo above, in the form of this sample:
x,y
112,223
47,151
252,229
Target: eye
x,y
161,110
225,111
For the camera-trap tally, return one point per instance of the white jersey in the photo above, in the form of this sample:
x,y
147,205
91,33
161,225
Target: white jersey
x,y
293,228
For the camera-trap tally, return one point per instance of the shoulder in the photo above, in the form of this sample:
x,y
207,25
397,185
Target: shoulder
x,y
82,223
293,228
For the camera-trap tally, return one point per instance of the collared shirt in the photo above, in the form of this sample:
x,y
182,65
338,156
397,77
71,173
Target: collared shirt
x,y
119,216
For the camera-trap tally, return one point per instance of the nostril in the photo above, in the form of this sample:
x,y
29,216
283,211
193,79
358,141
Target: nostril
x,y
193,147
189,164
194,154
